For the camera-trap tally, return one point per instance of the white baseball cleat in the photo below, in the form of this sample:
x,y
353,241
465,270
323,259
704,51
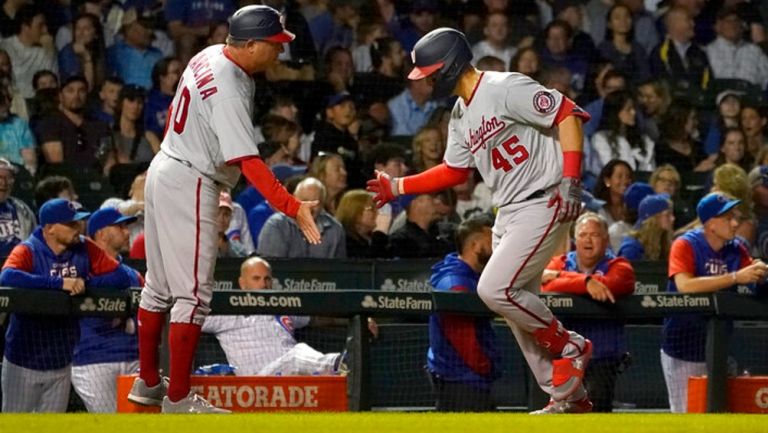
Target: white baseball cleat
x,y
146,395
192,403
558,407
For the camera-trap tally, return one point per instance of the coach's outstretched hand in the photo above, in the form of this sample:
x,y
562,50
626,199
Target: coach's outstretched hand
x,y
306,221
568,193
383,187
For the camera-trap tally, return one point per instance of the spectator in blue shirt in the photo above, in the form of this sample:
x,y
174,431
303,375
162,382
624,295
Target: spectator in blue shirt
x,y
652,237
132,58
17,144
165,77
85,55
108,95
411,109
335,27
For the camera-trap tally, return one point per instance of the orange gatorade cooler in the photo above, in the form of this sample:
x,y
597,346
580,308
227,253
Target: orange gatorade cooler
x,y
746,394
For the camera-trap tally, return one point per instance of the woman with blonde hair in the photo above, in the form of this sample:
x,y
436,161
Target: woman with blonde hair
x,y
652,237
428,148
365,226
329,169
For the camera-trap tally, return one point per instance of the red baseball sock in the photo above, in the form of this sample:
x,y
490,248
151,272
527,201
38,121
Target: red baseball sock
x,y
150,332
183,343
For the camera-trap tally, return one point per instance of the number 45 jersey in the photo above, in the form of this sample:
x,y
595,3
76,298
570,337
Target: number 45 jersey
x,y
209,120
507,130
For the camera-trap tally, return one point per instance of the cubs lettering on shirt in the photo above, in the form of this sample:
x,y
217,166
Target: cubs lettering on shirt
x,y
506,130
10,228
684,337
220,132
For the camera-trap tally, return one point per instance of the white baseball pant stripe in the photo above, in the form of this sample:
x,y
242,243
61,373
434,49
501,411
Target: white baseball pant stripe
x,y
524,237
676,373
181,241
96,384
301,360
27,390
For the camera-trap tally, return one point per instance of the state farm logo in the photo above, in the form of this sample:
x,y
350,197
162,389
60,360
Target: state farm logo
x,y
396,303
557,302
648,302
368,302
761,398
405,285
302,285
88,305
103,304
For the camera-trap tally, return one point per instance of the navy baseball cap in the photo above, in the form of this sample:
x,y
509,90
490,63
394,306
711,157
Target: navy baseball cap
x,y
337,99
108,216
635,193
650,206
714,205
60,211
259,22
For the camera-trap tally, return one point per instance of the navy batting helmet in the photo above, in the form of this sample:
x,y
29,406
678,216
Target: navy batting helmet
x,y
258,22
443,52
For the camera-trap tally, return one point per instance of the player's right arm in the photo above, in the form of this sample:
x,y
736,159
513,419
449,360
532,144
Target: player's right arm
x,y
17,272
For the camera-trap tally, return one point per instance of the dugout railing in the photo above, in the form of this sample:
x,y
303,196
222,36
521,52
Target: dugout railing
x,y
719,308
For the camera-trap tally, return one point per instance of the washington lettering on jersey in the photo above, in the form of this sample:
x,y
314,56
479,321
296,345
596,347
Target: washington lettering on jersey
x,y
488,128
201,70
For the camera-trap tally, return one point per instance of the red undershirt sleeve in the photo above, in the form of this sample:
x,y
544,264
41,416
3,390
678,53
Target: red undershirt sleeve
x,y
437,178
261,177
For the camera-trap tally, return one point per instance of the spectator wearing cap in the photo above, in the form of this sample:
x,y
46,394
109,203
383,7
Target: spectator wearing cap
x,y
758,180
39,349
132,57
17,144
336,134
412,108
730,56
30,49
281,237
131,143
703,260
67,134
229,245
728,109
336,26
107,348
16,218
633,195
593,270
188,22
651,238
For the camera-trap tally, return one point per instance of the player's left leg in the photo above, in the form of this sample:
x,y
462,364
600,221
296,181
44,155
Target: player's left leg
x,y
96,384
55,396
302,360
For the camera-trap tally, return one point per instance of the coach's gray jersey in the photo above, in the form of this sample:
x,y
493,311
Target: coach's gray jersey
x,y
506,131
210,119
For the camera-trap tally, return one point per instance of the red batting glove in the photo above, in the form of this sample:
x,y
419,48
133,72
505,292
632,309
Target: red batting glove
x,y
384,188
568,194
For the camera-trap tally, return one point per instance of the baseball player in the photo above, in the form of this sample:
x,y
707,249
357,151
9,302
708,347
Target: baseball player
x,y
526,141
107,348
264,345
208,143
38,350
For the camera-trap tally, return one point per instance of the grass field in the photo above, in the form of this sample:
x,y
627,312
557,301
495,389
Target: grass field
x,y
383,423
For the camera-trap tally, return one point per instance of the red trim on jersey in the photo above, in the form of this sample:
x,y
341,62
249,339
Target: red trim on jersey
x,y
525,262
569,108
168,118
436,178
472,95
197,247
262,178
101,262
419,72
681,258
241,159
20,258
229,56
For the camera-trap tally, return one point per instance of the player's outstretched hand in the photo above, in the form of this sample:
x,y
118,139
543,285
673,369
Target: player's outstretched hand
x,y
306,221
383,187
569,195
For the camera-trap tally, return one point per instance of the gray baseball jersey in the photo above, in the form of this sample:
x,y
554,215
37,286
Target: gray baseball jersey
x,y
506,131
211,116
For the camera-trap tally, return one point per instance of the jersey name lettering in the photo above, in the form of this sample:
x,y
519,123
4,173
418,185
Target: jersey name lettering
x,y
64,270
480,136
203,75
